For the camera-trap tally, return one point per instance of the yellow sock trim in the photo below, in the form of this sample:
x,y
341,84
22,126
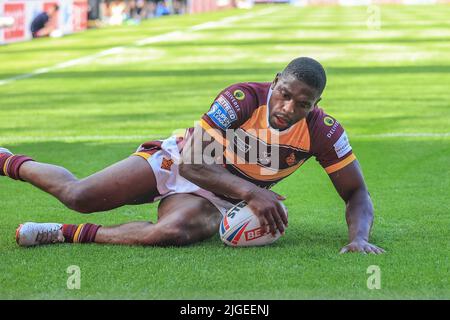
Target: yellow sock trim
x,y
6,165
77,233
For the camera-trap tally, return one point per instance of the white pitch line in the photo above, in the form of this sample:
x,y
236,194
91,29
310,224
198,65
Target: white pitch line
x,y
203,26
154,39
63,65
160,38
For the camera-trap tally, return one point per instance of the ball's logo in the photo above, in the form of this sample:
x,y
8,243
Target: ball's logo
x,y
239,94
328,121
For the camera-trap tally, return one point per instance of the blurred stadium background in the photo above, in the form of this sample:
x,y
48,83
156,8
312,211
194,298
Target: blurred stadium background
x,y
89,98
77,15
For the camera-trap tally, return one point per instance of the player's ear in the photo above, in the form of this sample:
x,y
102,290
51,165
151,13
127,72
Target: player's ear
x,y
318,100
275,81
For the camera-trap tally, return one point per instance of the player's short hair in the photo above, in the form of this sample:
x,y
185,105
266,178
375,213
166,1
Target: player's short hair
x,y
308,71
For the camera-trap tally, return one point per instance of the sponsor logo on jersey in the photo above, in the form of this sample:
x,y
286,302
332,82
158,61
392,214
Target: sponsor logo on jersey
x,y
239,94
222,114
333,129
233,100
328,121
342,146
227,106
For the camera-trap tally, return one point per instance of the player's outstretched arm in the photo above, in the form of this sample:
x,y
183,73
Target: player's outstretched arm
x,y
350,185
200,167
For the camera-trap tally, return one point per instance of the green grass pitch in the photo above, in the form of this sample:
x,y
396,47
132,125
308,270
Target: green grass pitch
x,y
388,87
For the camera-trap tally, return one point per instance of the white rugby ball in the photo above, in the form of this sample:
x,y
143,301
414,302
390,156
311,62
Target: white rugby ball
x,y
240,227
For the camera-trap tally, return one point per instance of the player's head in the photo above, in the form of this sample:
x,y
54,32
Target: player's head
x,y
53,9
296,92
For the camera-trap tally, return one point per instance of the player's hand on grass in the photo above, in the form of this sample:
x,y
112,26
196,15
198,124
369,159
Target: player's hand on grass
x,y
362,246
266,205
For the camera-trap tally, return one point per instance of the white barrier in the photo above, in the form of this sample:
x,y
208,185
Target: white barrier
x,y
362,2
72,17
197,6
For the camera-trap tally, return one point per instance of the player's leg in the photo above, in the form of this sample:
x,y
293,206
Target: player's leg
x,y
129,181
183,219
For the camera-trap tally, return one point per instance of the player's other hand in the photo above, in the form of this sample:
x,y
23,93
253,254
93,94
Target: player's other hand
x,y
362,246
267,207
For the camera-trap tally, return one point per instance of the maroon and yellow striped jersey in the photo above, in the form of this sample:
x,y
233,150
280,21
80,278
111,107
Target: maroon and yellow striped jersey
x,y
239,120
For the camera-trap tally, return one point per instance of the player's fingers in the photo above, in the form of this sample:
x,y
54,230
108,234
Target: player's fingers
x,y
278,221
279,196
271,222
344,250
286,214
374,250
263,223
370,249
379,250
282,214
361,249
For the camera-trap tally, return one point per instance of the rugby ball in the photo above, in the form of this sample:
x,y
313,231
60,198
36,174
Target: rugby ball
x,y
240,227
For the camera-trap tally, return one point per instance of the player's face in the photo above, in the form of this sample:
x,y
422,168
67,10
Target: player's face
x,y
52,11
290,102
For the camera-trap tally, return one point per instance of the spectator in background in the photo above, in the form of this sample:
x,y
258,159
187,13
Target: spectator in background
x,y
179,6
118,13
150,9
45,23
162,9
140,9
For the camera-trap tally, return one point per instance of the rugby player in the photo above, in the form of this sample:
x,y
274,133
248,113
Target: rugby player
x,y
196,186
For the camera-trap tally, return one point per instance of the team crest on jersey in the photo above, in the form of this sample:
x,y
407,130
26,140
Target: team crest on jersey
x,y
239,94
328,121
166,164
291,160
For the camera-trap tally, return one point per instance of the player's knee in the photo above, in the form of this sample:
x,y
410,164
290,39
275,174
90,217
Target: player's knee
x,y
172,234
177,235
78,198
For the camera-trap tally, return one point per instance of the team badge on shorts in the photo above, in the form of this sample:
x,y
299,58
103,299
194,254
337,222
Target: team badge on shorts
x,y
328,121
239,94
166,164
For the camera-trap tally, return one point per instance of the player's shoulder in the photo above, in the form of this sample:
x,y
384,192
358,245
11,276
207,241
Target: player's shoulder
x,y
328,141
247,92
323,124
236,103
243,98
326,132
